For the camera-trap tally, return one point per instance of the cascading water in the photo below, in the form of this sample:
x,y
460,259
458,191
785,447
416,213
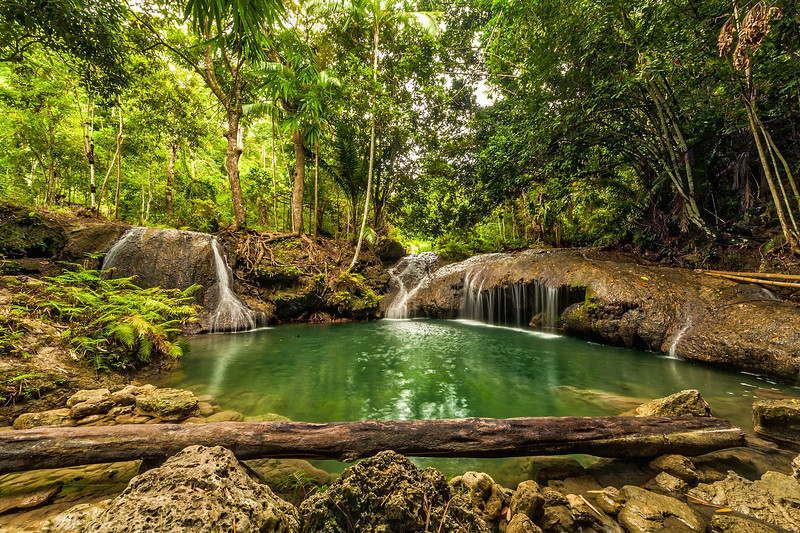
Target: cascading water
x,y
518,304
177,259
230,313
411,273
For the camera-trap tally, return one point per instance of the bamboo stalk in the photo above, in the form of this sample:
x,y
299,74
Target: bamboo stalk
x,y
755,280
759,275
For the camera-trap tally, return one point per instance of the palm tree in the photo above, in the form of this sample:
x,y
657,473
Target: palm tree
x,y
303,86
377,15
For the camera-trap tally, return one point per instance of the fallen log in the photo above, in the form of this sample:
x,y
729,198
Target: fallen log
x,y
610,436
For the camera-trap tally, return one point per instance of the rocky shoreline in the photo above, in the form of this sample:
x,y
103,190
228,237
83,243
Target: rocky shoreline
x,y
753,489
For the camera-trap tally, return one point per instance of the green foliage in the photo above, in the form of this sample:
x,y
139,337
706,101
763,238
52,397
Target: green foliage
x,y
27,384
350,295
111,323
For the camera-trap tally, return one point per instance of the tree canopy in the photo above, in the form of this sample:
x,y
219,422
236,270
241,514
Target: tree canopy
x,y
470,126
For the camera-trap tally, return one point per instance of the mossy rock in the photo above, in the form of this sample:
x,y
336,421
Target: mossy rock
x,y
25,233
167,404
389,493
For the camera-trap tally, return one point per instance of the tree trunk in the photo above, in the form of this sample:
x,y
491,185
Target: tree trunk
x,y
119,161
50,196
88,144
274,180
299,182
316,188
232,154
610,436
171,176
376,35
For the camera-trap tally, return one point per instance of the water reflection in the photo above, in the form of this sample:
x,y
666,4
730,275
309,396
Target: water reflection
x,y
421,369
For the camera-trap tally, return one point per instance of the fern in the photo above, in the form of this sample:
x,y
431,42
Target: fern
x,y
112,323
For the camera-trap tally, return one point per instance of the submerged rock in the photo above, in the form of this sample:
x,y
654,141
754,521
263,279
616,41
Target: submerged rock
x,y
683,403
678,466
198,490
388,493
737,524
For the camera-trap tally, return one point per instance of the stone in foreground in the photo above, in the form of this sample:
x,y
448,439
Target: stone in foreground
x,y
683,403
198,490
778,420
389,493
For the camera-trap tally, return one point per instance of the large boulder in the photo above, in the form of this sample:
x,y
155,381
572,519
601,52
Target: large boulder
x,y
778,420
57,418
196,491
683,403
599,296
167,404
388,493
648,512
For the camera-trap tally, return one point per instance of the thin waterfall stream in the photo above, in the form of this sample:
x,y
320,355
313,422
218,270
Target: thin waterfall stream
x,y
178,259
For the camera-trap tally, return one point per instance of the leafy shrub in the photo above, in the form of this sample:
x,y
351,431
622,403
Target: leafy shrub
x,y
111,323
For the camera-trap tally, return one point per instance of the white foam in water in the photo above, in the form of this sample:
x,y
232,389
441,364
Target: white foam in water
x,y
230,313
411,273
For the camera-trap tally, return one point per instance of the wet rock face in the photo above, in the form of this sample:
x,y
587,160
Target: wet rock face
x,y
671,310
166,258
91,238
198,490
388,493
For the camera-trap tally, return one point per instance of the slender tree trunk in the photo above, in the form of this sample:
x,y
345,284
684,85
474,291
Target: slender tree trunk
x,y
299,182
371,147
89,147
149,188
274,179
771,181
173,146
232,154
49,198
119,161
316,188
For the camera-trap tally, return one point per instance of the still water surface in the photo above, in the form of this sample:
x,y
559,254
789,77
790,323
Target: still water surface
x,y
422,369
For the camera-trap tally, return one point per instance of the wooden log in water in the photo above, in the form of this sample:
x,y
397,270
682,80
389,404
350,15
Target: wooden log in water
x,y
610,436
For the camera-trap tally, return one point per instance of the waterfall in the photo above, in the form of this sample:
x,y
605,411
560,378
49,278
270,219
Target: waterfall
x,y
230,314
177,259
410,274
516,303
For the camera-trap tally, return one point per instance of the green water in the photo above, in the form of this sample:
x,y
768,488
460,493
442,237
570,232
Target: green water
x,y
421,369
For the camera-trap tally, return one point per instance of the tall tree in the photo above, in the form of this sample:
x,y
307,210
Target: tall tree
x,y
376,15
232,36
